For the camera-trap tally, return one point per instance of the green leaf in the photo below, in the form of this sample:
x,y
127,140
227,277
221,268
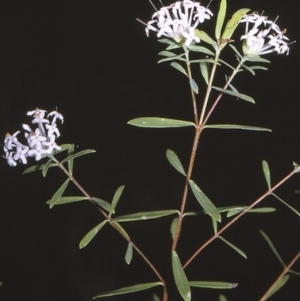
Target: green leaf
x,y
177,57
157,122
144,215
45,168
71,162
202,35
279,284
238,95
233,23
220,19
249,69
64,147
258,68
55,198
129,289
120,229
205,202
129,252
179,68
262,210
68,199
81,153
236,127
167,53
294,272
215,225
212,61
228,208
204,71
116,197
91,234
213,284
256,58
222,298
174,161
173,226
233,247
236,210
105,205
200,49
167,41
236,51
223,62
194,86
155,297
286,204
37,167
267,174
271,245
180,278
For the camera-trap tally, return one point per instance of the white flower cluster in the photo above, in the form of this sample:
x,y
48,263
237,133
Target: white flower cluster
x,y
178,21
41,141
264,37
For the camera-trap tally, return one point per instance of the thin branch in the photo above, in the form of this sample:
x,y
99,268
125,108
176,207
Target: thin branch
x,y
297,169
285,271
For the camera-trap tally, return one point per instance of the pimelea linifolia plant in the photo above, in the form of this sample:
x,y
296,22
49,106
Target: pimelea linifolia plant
x,y
178,26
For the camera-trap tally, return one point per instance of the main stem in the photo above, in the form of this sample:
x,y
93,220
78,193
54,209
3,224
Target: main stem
x,y
199,127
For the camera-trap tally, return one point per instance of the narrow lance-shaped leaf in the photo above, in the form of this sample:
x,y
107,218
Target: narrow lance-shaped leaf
x,y
129,253
286,204
174,161
194,86
262,210
279,284
167,53
213,284
233,23
238,95
91,234
220,19
236,127
55,198
71,161
129,289
46,167
68,199
256,58
116,197
215,225
200,49
236,51
105,205
233,247
173,226
179,68
158,122
205,202
180,278
271,245
204,71
37,167
81,153
155,297
144,215
222,298
202,35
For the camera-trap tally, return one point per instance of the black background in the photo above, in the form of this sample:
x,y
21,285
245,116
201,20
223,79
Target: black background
x,y
92,60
